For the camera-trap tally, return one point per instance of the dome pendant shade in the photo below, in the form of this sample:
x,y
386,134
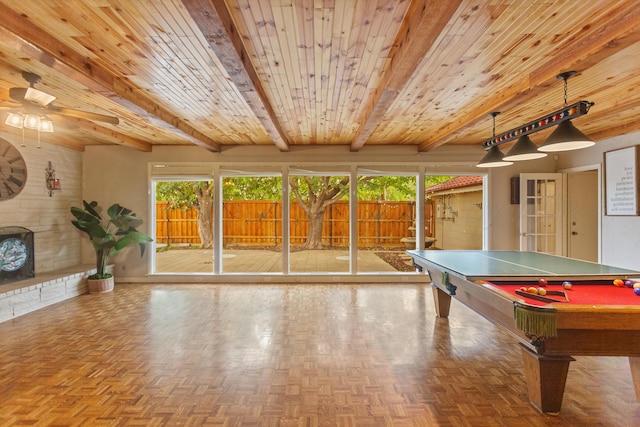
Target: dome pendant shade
x,y
493,159
524,149
566,137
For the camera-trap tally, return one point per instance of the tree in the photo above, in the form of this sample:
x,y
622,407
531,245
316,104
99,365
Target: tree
x,y
385,188
252,188
187,194
315,194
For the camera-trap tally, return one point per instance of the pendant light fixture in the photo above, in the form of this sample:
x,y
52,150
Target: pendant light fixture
x,y
566,136
524,149
494,157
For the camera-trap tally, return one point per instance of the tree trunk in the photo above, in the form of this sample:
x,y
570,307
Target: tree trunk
x,y
205,228
204,208
314,236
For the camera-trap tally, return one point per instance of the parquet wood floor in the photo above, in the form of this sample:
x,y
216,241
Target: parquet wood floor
x,y
282,355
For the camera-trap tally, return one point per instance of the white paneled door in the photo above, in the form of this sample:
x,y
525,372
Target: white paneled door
x,y
541,210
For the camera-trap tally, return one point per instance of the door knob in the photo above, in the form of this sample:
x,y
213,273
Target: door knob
x,y
575,233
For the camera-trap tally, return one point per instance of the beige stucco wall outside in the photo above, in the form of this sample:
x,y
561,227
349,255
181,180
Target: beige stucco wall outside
x,y
458,224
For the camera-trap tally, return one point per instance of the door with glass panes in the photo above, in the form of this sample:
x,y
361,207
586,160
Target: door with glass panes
x,y
541,213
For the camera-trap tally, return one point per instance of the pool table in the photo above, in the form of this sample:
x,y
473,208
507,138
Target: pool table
x,y
592,318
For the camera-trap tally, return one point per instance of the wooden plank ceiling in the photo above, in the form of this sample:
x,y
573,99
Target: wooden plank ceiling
x,y
217,74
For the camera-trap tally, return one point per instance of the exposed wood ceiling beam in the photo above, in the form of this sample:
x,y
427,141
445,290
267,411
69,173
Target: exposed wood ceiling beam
x,y
622,107
215,23
84,127
91,128
48,138
621,31
423,23
616,131
19,32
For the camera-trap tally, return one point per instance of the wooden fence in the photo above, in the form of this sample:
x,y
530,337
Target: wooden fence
x,y
259,223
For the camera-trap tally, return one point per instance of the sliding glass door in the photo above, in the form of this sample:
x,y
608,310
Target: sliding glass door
x,y
319,221
293,220
251,222
184,226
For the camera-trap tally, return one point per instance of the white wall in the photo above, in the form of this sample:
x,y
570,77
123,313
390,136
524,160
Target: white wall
x,y
504,218
56,242
620,234
119,175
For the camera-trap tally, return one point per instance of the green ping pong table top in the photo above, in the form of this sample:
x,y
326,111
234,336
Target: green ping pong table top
x,y
516,265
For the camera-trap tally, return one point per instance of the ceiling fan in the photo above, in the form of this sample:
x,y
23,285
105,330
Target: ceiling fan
x,y
38,102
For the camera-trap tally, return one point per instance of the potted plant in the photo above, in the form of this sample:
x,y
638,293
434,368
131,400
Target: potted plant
x,y
108,236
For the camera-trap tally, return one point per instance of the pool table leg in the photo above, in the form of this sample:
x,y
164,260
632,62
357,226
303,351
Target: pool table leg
x,y
634,363
546,377
442,301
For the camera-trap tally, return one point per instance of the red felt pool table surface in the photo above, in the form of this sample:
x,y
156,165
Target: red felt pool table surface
x,y
581,293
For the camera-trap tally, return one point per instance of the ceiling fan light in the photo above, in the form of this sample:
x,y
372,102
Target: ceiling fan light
x,y
14,120
524,149
566,137
32,121
493,159
46,124
38,97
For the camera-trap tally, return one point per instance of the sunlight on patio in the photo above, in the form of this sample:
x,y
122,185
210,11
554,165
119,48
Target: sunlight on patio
x,y
238,260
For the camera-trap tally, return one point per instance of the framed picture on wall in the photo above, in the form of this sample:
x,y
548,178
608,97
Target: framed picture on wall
x,y
621,181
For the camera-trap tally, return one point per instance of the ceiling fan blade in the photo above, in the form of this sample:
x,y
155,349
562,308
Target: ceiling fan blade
x,y
17,93
83,115
5,103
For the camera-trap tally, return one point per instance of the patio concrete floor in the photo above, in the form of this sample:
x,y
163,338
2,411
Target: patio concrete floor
x,y
237,260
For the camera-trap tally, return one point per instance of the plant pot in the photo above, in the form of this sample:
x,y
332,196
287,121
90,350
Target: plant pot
x,y
97,286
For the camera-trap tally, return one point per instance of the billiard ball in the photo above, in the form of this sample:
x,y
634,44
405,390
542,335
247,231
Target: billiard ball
x,y
542,291
566,285
618,282
636,285
532,290
629,283
636,291
542,283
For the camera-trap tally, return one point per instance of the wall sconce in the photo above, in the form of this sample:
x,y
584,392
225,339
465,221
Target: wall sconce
x,y
52,183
